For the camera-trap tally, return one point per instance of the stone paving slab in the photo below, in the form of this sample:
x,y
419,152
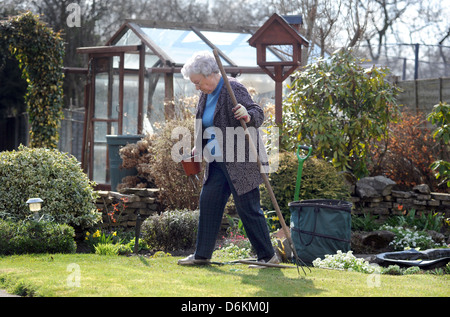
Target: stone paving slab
x,y
3,293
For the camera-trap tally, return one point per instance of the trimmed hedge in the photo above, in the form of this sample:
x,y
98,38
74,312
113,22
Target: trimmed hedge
x,y
57,178
35,237
172,230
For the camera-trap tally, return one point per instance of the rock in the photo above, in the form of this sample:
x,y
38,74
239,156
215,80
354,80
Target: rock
x,y
422,188
400,194
440,196
371,242
436,236
377,240
377,186
366,191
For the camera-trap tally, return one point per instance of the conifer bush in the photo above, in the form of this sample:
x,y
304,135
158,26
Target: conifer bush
x,y
320,180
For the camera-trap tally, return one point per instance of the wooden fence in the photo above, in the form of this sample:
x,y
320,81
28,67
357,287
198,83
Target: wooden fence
x,y
422,94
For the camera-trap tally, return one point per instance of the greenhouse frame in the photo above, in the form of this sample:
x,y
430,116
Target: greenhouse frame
x,y
134,82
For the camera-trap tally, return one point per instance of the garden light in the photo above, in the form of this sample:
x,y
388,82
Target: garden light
x,y
34,204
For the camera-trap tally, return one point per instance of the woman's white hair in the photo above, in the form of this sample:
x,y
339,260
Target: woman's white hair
x,y
200,63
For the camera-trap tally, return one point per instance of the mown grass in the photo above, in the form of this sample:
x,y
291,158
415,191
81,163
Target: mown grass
x,y
56,276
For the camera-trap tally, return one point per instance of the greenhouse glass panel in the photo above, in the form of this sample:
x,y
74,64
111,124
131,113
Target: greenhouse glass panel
x,y
100,157
131,61
129,38
180,45
155,107
101,95
236,47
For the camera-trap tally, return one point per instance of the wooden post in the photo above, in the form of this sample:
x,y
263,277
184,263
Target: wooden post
x,y
140,117
169,107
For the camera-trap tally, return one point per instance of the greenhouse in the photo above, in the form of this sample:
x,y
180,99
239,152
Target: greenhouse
x,y
135,81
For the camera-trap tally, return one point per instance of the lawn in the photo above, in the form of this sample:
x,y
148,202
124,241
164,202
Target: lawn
x,y
76,275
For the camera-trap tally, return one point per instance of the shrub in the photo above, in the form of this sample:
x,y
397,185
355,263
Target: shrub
x,y
409,152
171,230
392,270
422,220
55,177
35,237
101,237
107,249
410,238
320,180
440,116
345,261
339,108
152,157
153,160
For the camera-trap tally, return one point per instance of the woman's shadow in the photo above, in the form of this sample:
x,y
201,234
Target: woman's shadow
x,y
267,279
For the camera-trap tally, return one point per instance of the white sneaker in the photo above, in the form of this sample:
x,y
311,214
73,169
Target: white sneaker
x,y
273,260
191,260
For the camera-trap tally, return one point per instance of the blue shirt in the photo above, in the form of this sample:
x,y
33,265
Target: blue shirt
x,y
211,101
208,117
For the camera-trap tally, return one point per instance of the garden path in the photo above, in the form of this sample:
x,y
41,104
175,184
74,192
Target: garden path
x,y
3,293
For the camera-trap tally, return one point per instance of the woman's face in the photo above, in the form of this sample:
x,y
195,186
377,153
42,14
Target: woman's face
x,y
205,84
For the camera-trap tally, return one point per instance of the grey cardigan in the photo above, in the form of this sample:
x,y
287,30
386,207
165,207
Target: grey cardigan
x,y
246,175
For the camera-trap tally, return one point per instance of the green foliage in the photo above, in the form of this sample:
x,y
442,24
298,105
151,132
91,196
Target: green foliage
x,y
442,169
99,237
367,222
320,180
420,221
410,238
107,249
345,261
172,230
440,116
339,108
112,242
393,270
53,176
17,286
40,52
35,237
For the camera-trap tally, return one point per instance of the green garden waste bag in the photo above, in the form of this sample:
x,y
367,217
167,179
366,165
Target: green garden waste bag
x,y
320,227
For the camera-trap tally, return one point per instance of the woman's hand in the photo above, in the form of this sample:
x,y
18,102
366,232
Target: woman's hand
x,y
241,113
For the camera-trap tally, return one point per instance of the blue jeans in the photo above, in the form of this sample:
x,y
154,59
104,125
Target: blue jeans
x,y
213,198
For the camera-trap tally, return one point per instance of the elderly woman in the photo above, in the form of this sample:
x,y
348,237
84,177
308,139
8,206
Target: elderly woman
x,y
225,176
